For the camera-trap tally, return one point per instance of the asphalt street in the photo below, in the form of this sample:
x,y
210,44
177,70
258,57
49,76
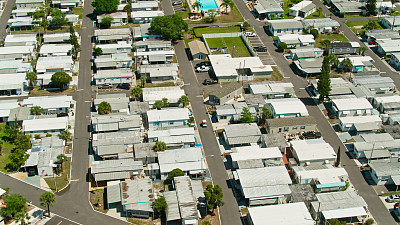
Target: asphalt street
x,y
5,16
57,220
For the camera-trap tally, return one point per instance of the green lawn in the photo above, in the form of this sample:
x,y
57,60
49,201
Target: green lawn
x,y
286,8
353,25
5,151
165,84
240,49
315,15
211,30
331,37
61,181
78,11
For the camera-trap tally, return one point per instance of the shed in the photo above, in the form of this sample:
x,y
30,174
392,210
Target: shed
x,y
226,93
198,49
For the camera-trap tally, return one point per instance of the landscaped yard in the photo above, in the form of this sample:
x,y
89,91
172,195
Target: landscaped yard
x,y
78,11
357,26
233,46
61,181
97,200
316,15
231,17
165,84
211,30
6,148
330,37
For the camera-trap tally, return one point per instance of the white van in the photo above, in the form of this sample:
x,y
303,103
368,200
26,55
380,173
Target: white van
x,y
250,34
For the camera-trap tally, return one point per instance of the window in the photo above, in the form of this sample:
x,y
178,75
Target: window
x,y
302,127
170,123
156,124
286,129
223,117
294,128
280,129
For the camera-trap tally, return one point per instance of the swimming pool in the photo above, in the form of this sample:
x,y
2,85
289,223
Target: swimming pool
x,y
208,4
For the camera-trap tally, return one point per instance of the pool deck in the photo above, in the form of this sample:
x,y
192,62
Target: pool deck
x,y
196,10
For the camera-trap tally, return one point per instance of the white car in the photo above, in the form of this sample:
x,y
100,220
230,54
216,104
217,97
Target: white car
x,y
203,68
250,34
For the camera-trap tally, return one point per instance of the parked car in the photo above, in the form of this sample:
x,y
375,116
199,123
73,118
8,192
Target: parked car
x,y
126,86
106,86
203,68
260,49
250,34
31,172
372,42
209,81
393,198
203,123
176,3
311,135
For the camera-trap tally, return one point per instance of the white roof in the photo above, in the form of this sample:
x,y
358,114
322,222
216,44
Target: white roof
x,y
145,4
55,62
18,65
12,81
313,150
360,119
288,106
352,104
265,176
297,38
173,136
172,93
344,213
16,50
326,175
225,65
59,123
117,73
168,115
301,5
388,99
2,191
55,48
146,14
359,60
6,106
271,88
49,102
255,152
389,45
12,38
186,159
283,214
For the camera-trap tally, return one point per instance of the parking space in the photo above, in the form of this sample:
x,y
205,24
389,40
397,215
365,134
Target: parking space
x,y
261,51
177,6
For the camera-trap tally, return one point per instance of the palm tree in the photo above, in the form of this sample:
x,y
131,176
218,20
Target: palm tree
x,y
326,43
21,217
143,80
184,99
61,158
196,5
137,91
347,64
160,146
334,60
361,50
36,110
226,4
31,77
47,199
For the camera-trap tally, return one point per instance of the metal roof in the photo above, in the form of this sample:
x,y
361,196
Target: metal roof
x,y
116,165
113,192
137,195
186,197
385,168
285,24
266,176
172,211
339,200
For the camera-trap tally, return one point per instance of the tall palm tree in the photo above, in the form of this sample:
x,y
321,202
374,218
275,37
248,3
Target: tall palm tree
x,y
196,5
47,199
347,64
326,43
226,4
361,50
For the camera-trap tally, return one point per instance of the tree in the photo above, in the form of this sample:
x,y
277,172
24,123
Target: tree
x,y
169,27
214,197
143,80
206,222
61,158
196,5
36,110
245,25
106,22
334,60
128,10
42,13
158,104
16,158
225,4
282,46
58,18
347,64
326,43
266,112
336,222
175,173
97,51
61,79
211,16
31,77
64,135
104,108
314,32
73,39
47,199
246,116
371,7
184,99
319,11
160,146
165,102
324,82
160,205
137,91
361,50
15,203
105,6
371,25
22,142
21,217
337,163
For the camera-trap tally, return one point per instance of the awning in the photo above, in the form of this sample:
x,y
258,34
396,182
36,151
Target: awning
x,y
344,213
72,4
340,184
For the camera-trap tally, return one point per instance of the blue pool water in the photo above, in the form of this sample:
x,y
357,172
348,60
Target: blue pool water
x,y
208,4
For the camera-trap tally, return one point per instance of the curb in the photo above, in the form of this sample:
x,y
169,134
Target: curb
x,y
23,181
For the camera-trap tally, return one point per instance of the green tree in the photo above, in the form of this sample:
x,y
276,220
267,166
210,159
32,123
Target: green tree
x,y
97,51
61,79
106,22
37,136
22,142
165,102
211,18
160,205
158,104
196,5
175,173
361,50
42,13
319,11
137,92
214,196
347,64
282,46
49,135
143,80
16,159
61,158
104,108
336,222
128,10
31,77
47,199
226,4
36,110
170,27
160,146
246,116
371,7
324,82
246,25
105,6
64,135
206,222
337,163
184,99
21,217
326,43
73,39
15,203
266,112
11,133
314,33
58,18
371,25
334,60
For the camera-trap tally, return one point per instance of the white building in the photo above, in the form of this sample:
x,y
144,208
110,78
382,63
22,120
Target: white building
x,y
159,73
323,25
313,152
352,107
242,134
13,84
145,16
16,52
57,104
167,118
54,64
46,125
360,123
20,40
284,26
48,50
302,9
254,156
297,40
173,138
172,93
286,107
14,66
117,76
